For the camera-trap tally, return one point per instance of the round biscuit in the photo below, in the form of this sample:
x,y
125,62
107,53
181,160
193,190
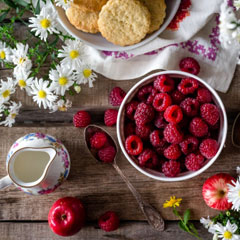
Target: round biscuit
x,y
90,5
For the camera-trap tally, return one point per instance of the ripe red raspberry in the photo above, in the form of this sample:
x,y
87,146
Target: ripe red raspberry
x,y
198,127
204,95
131,108
177,97
209,148
151,96
107,154
164,83
144,92
210,113
194,161
173,134
173,114
116,96
159,120
144,114
162,101
129,129
143,131
109,221
171,168
189,65
110,117
148,158
133,145
190,107
173,152
81,119
157,138
188,86
189,145
160,150
98,140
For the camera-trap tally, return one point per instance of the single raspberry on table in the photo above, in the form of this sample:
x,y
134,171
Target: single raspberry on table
x,y
110,117
171,168
107,154
151,96
173,114
98,140
189,65
210,113
173,152
144,92
148,158
143,131
204,95
131,108
133,145
190,107
157,138
194,161
164,83
198,127
173,134
144,114
189,145
81,119
116,96
159,120
209,148
177,97
188,86
129,129
109,221
161,102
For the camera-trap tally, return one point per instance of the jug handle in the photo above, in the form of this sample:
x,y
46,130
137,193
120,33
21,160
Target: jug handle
x,y
5,182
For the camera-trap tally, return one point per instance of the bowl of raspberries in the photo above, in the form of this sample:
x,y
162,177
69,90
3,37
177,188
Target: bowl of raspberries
x,y
172,126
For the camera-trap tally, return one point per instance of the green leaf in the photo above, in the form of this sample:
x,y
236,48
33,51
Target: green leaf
x,y
37,9
186,216
10,3
182,226
192,227
21,3
3,16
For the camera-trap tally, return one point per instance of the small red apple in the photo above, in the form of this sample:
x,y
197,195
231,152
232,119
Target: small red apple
x,y
215,191
67,216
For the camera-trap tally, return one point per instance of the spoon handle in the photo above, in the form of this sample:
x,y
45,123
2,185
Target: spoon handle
x,y
153,216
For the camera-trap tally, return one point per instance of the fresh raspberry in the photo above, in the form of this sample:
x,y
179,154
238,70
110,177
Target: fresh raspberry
x,y
209,148
204,95
164,83
173,134
177,97
131,108
116,96
210,113
110,117
144,93
189,145
188,86
160,150
162,101
173,114
151,96
81,119
148,158
194,162
143,131
173,152
159,120
133,145
171,168
98,140
109,221
190,107
189,65
144,114
198,127
129,129
157,138
107,154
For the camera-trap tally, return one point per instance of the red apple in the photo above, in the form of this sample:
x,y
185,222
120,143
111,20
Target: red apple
x,y
215,191
67,216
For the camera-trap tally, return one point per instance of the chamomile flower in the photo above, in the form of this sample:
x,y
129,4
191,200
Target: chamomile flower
x,y
72,54
42,94
236,4
62,79
44,23
1,110
207,223
61,105
5,52
234,194
63,3
7,88
86,75
23,80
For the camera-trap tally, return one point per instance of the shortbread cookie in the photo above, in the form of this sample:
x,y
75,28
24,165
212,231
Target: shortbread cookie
x,y
124,22
157,8
85,21
90,5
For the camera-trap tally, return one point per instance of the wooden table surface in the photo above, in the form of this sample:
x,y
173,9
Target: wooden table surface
x,y
98,186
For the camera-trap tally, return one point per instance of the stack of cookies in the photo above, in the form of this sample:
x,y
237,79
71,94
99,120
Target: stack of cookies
x,y
122,22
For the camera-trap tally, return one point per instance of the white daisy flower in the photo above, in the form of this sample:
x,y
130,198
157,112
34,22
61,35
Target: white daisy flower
x,y
13,112
65,4
215,237
62,79
5,52
86,75
44,23
234,194
61,105
6,89
72,54
42,94
1,110
24,81
236,4
207,223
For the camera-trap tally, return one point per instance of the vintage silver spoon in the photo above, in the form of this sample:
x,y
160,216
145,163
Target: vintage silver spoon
x,y
153,216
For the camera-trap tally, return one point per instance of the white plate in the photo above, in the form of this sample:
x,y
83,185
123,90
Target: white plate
x,y
99,42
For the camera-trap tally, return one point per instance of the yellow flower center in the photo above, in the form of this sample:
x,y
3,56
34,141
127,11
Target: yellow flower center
x,y
2,55
65,1
13,115
22,60
45,23
62,108
6,93
62,81
74,54
227,235
42,94
22,83
87,73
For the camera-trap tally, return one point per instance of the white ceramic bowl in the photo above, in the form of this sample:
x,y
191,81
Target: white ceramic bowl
x,y
155,174
99,42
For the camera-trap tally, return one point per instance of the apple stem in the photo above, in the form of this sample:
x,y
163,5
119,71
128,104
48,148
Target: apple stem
x,y
63,217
